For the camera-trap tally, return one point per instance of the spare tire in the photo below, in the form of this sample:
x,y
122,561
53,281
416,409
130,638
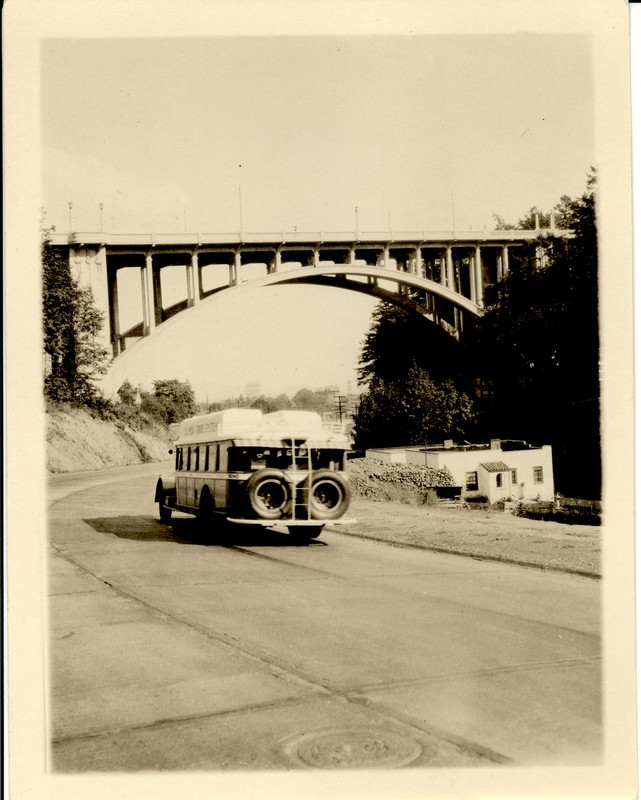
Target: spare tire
x,y
330,494
268,493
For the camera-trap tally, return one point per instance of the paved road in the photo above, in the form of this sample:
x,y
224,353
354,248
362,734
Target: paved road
x,y
169,653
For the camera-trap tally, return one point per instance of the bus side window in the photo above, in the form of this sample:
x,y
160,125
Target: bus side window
x,y
212,458
188,467
206,457
178,455
239,459
222,459
196,458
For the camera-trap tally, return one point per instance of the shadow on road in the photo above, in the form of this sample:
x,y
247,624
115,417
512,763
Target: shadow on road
x,y
187,531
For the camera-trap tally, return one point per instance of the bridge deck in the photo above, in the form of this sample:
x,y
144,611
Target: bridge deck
x,y
310,238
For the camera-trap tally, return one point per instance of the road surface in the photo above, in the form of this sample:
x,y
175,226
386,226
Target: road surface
x,y
172,653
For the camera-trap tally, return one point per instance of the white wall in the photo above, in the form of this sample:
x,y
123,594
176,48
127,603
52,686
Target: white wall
x,y
392,454
459,462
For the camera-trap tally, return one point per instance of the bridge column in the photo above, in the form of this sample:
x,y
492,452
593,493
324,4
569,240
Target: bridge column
x,y
156,293
450,268
471,271
149,295
419,263
193,281
234,270
541,257
189,284
114,322
478,277
275,263
506,262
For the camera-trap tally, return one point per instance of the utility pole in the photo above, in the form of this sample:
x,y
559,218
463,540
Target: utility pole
x,y
339,405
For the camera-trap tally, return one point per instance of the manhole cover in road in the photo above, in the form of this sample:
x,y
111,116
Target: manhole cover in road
x,y
352,749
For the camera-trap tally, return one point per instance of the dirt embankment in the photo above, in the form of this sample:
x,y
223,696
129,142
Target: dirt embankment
x,y
76,440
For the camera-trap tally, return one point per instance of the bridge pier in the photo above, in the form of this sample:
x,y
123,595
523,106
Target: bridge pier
x,y
449,282
114,322
234,269
478,277
274,265
193,280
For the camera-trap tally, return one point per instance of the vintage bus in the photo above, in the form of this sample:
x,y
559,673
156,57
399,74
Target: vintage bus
x,y
285,468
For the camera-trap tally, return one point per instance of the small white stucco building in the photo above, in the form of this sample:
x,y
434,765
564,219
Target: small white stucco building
x,y
500,470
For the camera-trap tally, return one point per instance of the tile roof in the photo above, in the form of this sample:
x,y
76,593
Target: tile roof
x,y
495,466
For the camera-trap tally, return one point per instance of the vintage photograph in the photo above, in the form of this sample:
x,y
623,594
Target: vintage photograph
x,y
323,340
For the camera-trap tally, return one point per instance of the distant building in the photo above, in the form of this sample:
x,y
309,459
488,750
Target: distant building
x,y
252,391
500,470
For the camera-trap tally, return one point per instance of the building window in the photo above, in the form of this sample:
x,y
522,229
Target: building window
x,y
471,481
499,479
538,474
514,478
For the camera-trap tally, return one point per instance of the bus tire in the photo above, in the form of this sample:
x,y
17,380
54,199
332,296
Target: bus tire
x,y
330,495
268,493
205,513
164,512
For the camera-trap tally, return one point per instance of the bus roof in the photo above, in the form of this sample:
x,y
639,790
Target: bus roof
x,y
252,426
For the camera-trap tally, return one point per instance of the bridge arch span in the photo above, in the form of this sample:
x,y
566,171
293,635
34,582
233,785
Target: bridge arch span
x,y
441,275
413,293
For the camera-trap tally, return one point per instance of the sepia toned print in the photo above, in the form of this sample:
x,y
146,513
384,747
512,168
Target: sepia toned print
x,y
325,337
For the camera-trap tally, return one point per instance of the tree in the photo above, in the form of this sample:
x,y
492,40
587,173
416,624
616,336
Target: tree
x,y
537,345
127,394
320,400
398,338
172,401
71,324
410,368
526,223
411,410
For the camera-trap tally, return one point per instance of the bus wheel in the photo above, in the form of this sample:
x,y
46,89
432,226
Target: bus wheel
x,y
268,494
308,532
205,513
164,512
330,495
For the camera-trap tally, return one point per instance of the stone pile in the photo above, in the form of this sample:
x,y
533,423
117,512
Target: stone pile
x,y
375,479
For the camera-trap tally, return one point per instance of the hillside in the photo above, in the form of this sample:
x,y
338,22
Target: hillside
x,y
77,441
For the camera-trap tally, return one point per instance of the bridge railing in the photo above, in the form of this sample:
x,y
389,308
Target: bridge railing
x,y
293,237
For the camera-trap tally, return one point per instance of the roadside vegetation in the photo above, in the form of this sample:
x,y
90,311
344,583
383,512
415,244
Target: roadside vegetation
x,y
527,369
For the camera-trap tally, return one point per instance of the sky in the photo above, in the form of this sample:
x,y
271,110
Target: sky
x,y
417,132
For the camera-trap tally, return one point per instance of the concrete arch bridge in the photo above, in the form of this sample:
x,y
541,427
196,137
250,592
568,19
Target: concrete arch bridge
x,y
441,275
